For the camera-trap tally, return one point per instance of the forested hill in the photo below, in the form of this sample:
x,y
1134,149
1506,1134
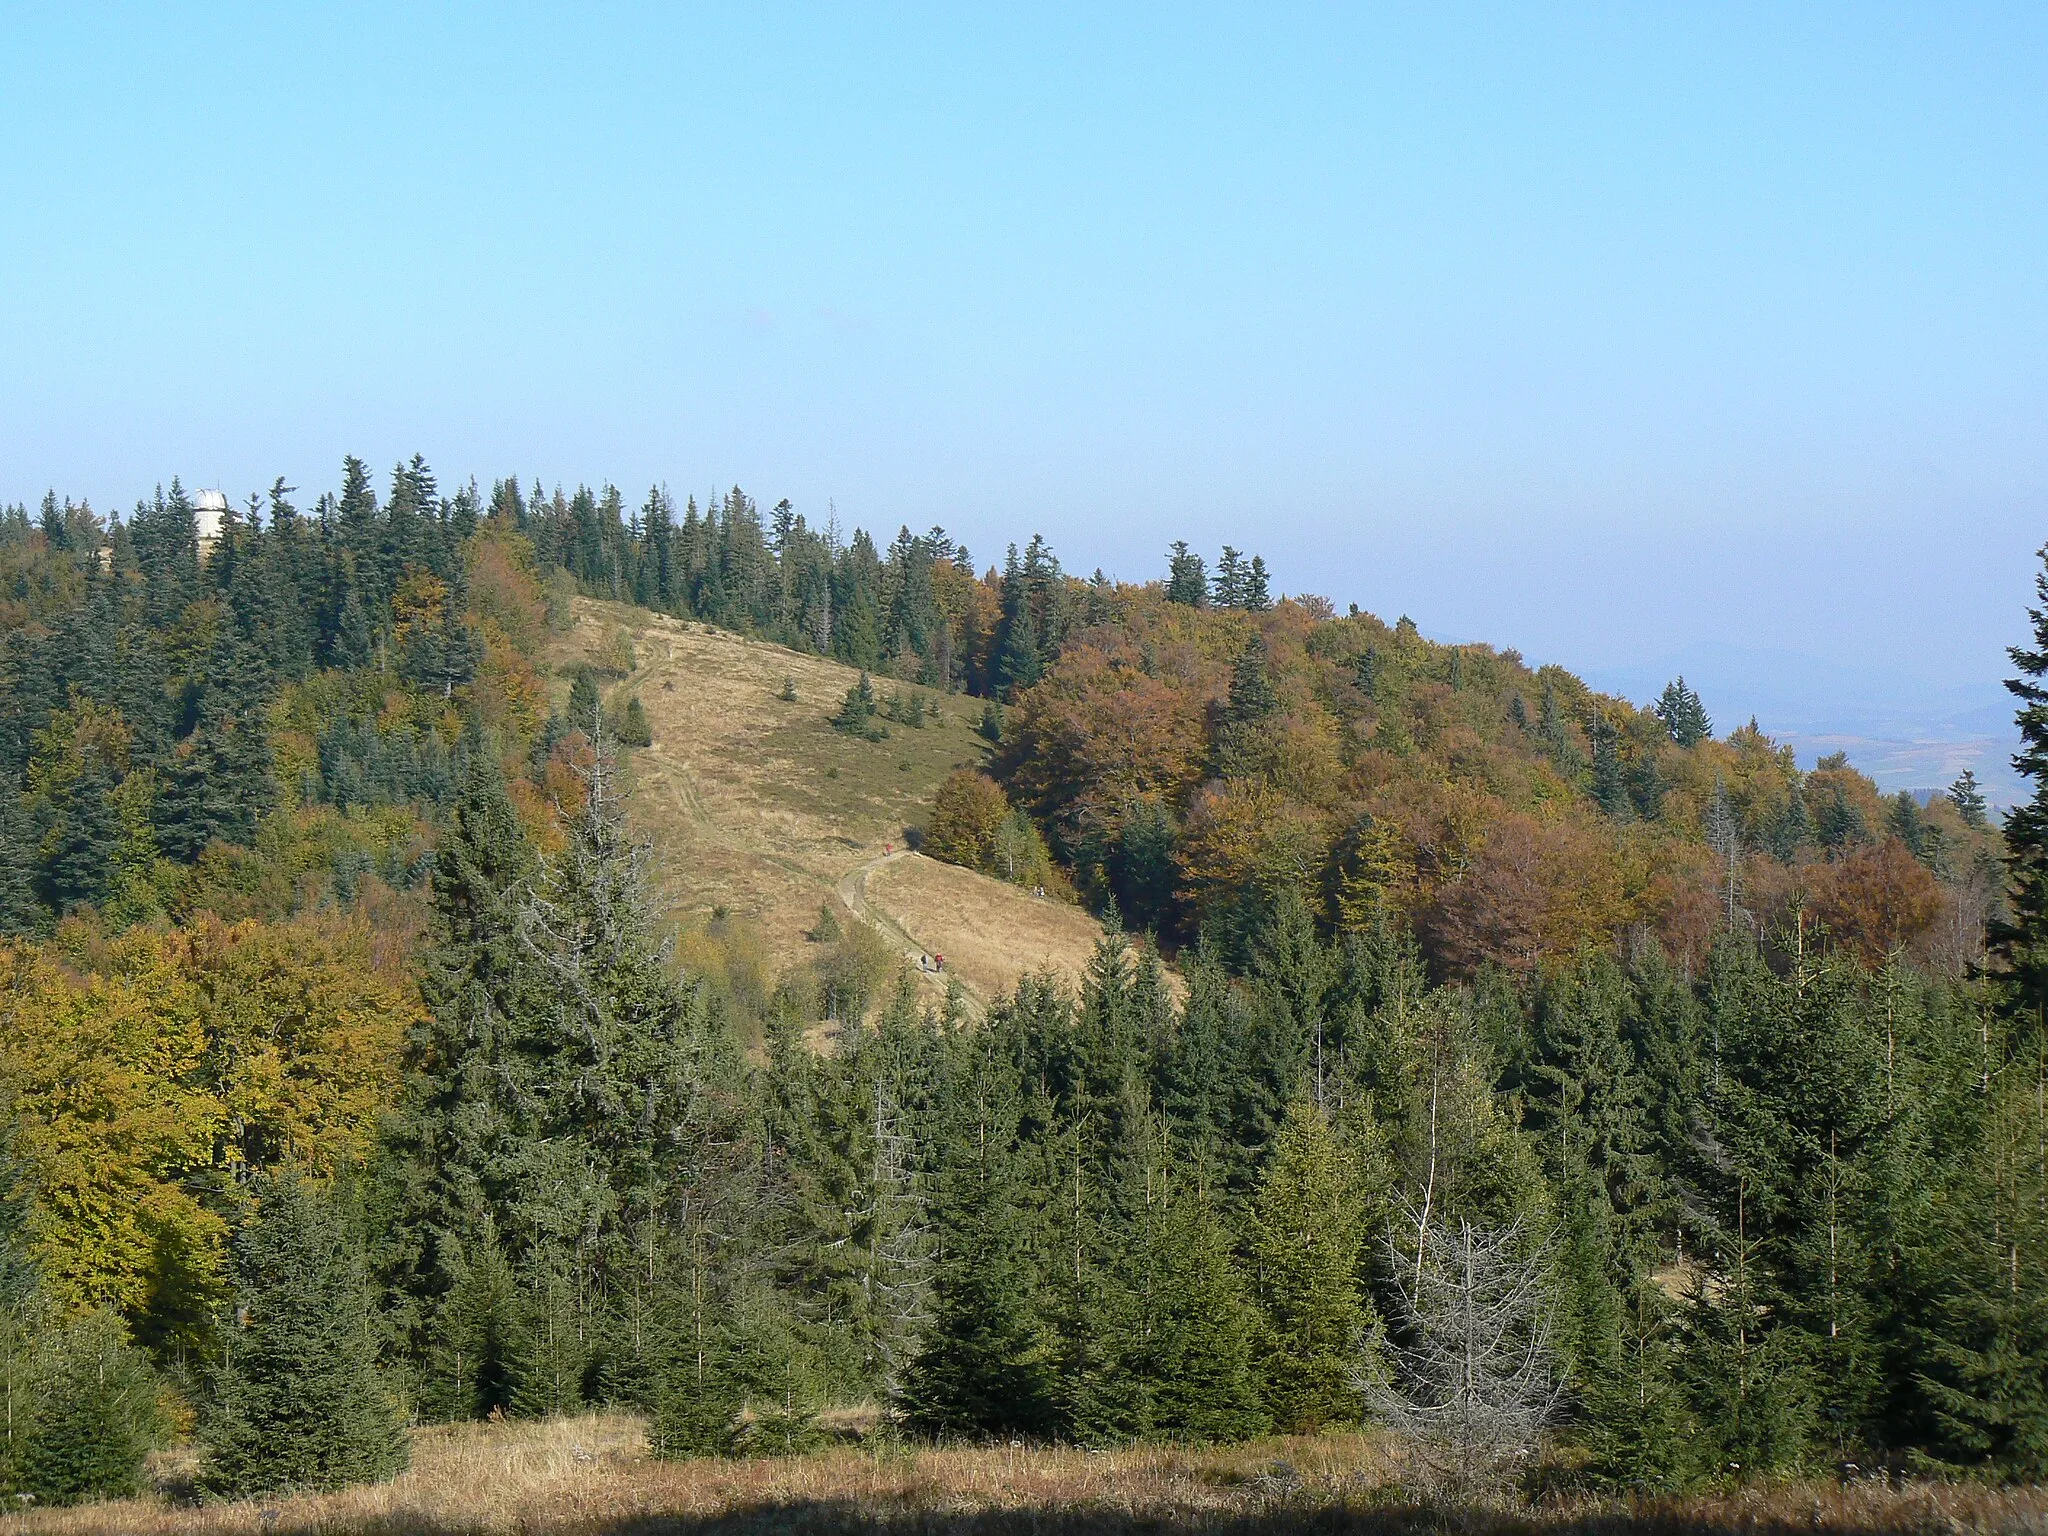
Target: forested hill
x,y
354,1077
1190,749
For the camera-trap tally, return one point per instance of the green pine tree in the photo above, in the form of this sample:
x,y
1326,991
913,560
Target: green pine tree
x,y
1968,799
473,1362
1207,1386
452,1138
1187,579
859,714
2020,943
585,707
1257,597
296,1402
1684,716
97,1414
985,1368
1304,1242
78,853
20,911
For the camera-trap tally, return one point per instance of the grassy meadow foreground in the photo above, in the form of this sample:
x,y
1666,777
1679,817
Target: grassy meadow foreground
x,y
592,1476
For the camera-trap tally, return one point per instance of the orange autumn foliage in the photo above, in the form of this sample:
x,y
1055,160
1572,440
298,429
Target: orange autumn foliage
x,y
1877,901
1509,813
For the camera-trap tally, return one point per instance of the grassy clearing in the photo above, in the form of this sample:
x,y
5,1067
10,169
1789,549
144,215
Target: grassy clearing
x,y
991,934
591,1476
756,805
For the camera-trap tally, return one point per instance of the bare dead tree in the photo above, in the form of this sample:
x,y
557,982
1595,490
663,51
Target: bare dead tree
x,y
1470,1376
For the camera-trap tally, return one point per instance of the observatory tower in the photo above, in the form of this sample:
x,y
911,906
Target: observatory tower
x,y
209,511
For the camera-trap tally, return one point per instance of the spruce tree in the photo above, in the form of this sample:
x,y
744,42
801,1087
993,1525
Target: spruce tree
x,y
1304,1242
1244,745
1968,799
1257,597
1684,716
451,1140
858,712
97,1414
473,1362
1610,780
2021,942
701,1394
1206,1353
585,707
1019,661
1187,581
296,1402
630,1089
1227,585
20,912
985,1368
634,730
219,783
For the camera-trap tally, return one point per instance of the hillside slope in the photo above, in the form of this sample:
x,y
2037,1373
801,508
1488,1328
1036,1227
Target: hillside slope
x,y
756,807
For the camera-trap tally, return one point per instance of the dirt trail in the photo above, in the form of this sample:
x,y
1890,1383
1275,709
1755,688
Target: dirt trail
x,y
853,890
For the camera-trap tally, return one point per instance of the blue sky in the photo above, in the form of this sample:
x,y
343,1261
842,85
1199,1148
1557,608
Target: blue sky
x,y
1637,337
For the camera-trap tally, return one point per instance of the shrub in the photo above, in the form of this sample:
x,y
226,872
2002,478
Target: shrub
x,y
858,714
967,815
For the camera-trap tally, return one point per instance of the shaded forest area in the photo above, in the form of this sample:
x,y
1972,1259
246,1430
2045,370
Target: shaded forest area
x,y
353,1084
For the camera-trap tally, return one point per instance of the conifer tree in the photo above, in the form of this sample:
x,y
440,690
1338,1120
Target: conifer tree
x,y
1187,581
1556,738
1476,1379
634,731
1610,780
1968,799
584,703
219,780
1244,737
473,1361
1304,1242
1206,1353
20,912
297,1403
79,851
1684,716
2021,942
1227,585
1257,597
1019,661
452,1137
985,1368
96,1416
858,713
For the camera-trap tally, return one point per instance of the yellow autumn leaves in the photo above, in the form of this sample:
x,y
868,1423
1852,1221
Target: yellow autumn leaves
x,y
152,1073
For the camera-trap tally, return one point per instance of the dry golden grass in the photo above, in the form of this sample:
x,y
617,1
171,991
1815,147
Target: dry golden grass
x,y
755,804
591,1477
990,933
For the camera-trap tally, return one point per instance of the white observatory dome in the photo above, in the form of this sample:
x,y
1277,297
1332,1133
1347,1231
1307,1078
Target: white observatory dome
x,y
210,508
